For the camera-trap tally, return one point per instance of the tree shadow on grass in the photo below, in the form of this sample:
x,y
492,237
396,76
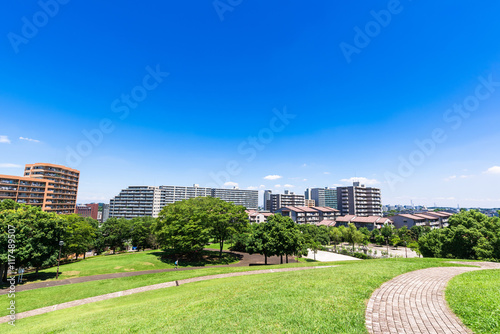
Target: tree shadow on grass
x,y
196,259
30,277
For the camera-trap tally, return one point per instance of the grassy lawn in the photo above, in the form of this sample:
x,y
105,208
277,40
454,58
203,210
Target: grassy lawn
x,y
475,298
217,246
126,262
32,299
319,300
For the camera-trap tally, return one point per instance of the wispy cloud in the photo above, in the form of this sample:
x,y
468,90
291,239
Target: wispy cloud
x,y
289,186
29,139
231,184
262,186
272,177
449,178
277,186
326,173
493,170
7,165
252,188
362,180
4,139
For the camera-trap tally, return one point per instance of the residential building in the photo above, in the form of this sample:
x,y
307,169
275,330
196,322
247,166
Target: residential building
x,y
267,200
322,196
53,188
26,190
370,222
88,210
62,185
308,215
247,198
258,216
359,200
431,219
309,202
137,201
278,201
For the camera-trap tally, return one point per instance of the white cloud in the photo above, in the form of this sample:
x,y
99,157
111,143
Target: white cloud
x,y
7,165
289,186
493,170
273,177
252,188
29,139
361,180
326,173
4,139
262,186
337,185
449,178
304,180
231,184
465,176
304,165
277,186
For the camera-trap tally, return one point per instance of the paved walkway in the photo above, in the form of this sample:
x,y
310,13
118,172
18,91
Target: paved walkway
x,y
245,260
147,288
414,302
323,256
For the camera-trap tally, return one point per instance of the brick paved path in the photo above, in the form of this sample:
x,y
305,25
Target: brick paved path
x,y
148,288
414,302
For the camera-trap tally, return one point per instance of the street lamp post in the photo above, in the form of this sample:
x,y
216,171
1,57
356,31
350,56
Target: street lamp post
x,y
61,243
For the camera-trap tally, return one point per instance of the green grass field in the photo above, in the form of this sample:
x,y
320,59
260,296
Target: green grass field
x,y
125,262
475,298
318,300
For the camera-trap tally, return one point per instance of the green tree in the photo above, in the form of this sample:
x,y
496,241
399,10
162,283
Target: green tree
x,y
335,236
353,236
260,240
116,232
142,235
37,235
79,235
395,240
184,225
387,231
225,220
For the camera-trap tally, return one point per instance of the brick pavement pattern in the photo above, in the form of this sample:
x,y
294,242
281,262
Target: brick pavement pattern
x,y
94,299
414,302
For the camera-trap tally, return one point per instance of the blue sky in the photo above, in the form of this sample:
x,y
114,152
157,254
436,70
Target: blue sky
x,y
281,95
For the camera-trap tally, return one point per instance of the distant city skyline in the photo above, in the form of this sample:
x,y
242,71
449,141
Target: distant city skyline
x,y
309,96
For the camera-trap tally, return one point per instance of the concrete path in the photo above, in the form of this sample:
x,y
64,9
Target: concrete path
x,y
147,288
414,302
323,256
245,260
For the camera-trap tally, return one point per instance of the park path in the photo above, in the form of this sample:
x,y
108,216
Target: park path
x,y
245,260
414,302
148,288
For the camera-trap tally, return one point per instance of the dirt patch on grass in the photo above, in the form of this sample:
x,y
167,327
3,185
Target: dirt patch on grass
x,y
119,267
127,269
71,273
148,264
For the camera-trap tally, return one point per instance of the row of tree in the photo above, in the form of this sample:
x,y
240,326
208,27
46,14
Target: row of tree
x,y
470,235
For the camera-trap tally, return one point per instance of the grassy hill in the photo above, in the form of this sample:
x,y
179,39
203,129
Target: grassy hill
x,y
312,301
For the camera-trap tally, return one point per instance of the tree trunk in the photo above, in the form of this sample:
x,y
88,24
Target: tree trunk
x,y
286,258
221,246
5,268
36,271
76,257
265,259
281,260
84,255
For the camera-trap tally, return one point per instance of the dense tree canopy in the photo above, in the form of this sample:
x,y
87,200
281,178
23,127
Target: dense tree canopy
x,y
470,235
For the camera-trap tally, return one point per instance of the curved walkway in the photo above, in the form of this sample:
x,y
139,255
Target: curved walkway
x,y
414,302
147,288
245,260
